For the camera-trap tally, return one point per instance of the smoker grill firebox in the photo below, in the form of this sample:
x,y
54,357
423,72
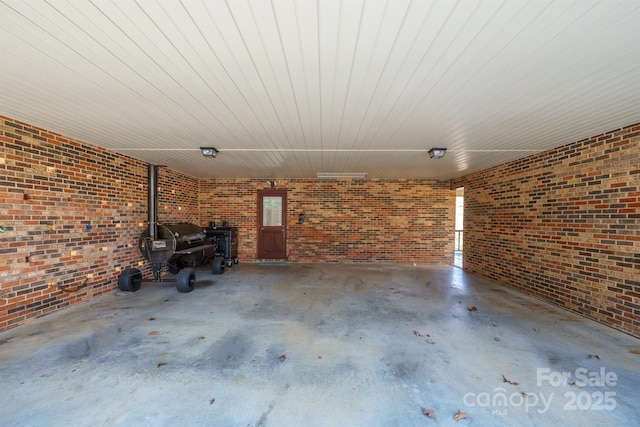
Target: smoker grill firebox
x,y
227,243
181,246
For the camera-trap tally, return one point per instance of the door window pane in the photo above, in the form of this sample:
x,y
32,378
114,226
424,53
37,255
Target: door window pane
x,y
272,211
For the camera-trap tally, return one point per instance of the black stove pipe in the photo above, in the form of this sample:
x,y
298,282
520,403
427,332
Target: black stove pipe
x,y
153,201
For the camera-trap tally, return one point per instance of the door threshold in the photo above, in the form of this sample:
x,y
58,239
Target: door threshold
x,y
272,264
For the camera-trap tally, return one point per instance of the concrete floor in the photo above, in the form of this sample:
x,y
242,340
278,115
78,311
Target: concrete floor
x,y
318,345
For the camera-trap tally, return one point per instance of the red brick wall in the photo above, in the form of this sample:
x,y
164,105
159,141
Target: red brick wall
x,y
563,225
387,221
69,223
177,197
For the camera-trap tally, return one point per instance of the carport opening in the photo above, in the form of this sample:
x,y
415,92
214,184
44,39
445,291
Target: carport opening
x,y
459,228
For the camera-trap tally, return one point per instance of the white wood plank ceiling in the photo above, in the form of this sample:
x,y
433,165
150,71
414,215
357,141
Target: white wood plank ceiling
x,y
291,88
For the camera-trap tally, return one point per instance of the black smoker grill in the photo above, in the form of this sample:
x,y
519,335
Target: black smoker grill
x,y
191,248
194,247
181,246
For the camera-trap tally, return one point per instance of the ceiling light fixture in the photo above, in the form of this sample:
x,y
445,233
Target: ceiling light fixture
x,y
339,175
437,153
209,151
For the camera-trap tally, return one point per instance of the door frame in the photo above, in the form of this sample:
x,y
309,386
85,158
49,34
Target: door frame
x,y
259,226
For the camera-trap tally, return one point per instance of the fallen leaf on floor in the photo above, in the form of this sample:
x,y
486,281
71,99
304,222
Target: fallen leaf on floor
x,y
460,415
161,364
505,380
525,394
429,413
416,333
472,308
497,338
431,342
593,356
152,318
212,401
282,357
